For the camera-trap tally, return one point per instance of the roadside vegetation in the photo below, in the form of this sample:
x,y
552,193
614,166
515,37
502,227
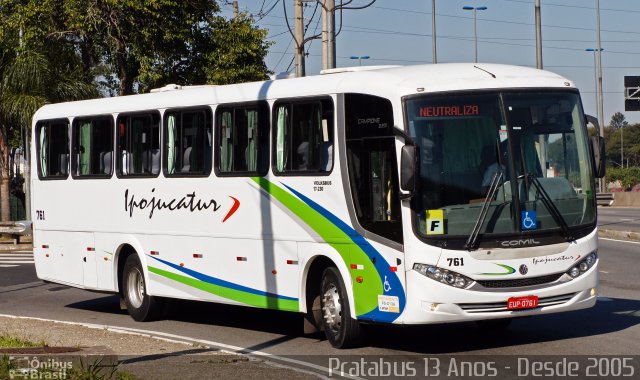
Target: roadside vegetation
x,y
92,368
622,153
7,341
55,51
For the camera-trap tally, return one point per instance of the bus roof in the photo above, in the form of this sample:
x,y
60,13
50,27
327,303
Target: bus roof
x,y
386,81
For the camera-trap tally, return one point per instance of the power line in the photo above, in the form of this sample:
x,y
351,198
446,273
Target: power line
x,y
462,38
380,59
575,6
503,21
344,6
262,14
488,40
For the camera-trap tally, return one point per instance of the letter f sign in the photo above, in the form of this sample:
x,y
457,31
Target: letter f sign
x,y
435,222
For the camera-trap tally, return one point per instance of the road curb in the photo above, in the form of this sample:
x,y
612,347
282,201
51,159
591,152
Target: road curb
x,y
8,247
616,234
295,365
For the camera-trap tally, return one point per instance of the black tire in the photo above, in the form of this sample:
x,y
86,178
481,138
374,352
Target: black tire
x,y
494,324
341,329
141,306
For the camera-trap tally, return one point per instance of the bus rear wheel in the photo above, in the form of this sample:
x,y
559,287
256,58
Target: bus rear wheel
x,y
341,329
140,305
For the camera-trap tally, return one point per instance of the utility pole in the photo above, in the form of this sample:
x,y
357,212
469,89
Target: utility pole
x,y
601,102
538,36
543,139
622,146
328,34
603,181
235,9
299,37
433,31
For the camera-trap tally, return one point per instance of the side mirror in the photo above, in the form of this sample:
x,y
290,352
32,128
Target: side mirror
x,y
599,159
594,122
408,160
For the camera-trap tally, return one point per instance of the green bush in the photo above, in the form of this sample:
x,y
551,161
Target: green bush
x,y
627,176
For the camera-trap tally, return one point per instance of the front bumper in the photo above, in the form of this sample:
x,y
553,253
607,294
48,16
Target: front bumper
x,y
429,301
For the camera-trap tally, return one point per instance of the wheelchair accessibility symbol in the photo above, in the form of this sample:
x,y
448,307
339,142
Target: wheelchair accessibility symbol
x,y
387,285
528,220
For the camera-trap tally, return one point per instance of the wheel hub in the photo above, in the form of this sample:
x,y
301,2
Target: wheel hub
x,y
331,308
135,288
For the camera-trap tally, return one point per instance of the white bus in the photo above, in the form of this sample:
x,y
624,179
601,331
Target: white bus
x,y
406,195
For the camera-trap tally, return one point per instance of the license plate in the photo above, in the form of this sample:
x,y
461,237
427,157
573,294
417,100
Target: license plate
x,y
527,302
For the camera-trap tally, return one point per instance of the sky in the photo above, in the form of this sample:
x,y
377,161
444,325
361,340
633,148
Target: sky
x,y
398,32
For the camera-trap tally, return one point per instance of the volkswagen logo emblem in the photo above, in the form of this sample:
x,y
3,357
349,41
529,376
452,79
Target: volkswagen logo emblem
x,y
523,269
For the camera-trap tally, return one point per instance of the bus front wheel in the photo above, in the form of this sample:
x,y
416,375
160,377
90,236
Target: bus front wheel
x,y
341,329
140,305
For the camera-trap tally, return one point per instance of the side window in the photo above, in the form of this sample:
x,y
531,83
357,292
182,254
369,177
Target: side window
x,y
52,140
243,139
188,142
371,163
92,147
303,137
139,144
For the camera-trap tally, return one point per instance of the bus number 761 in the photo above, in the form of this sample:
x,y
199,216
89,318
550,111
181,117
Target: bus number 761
x,y
457,262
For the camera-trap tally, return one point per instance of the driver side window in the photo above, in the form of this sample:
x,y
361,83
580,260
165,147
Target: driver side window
x,y
371,161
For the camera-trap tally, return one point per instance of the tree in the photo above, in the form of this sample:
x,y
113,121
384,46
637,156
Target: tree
x,y
58,50
631,145
28,80
151,43
240,53
618,121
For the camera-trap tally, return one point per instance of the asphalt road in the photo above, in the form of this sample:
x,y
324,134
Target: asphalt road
x,y
619,218
16,267
612,327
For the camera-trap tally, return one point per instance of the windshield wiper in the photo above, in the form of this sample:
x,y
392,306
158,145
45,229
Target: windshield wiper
x,y
553,209
491,192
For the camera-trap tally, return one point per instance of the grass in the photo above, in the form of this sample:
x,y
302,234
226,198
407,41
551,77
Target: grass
x,y
13,342
96,370
126,376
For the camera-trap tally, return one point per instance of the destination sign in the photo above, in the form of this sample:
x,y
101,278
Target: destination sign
x,y
453,110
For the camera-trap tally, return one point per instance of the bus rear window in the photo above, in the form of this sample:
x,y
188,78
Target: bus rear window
x,y
52,140
92,147
139,144
188,142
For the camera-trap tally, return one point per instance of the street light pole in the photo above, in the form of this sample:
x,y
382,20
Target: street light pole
x,y
433,31
595,75
538,36
598,104
601,103
359,58
475,25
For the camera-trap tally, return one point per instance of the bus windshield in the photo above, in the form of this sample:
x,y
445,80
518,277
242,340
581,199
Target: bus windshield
x,y
523,157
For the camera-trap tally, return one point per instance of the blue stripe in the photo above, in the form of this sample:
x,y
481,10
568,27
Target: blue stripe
x,y
396,286
223,283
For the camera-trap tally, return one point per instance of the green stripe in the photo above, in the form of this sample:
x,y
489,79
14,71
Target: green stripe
x,y
365,293
231,294
509,269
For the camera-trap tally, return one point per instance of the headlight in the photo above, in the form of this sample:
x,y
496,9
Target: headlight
x,y
583,265
444,276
